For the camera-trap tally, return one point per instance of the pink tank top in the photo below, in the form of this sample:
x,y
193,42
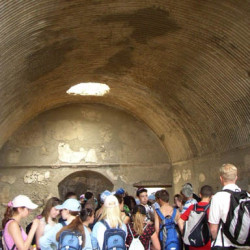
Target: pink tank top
x,y
8,239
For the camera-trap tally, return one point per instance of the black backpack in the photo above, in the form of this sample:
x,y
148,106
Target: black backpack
x,y
196,229
237,225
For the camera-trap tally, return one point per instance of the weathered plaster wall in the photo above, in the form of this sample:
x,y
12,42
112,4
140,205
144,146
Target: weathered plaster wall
x,y
83,134
81,138
41,183
205,170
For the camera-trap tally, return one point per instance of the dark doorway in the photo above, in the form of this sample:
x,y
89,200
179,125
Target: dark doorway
x,y
83,181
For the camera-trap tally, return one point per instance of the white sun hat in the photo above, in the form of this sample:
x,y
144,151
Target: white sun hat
x,y
23,201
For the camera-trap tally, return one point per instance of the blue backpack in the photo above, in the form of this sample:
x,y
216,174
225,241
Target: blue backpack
x,y
70,240
114,238
168,233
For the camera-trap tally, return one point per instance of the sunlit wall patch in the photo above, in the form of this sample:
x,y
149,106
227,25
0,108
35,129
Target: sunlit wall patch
x,y
89,88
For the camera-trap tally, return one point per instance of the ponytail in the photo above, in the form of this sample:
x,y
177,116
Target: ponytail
x,y
10,211
77,224
139,220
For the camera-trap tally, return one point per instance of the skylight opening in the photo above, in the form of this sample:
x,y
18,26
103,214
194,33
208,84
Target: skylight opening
x,y
89,89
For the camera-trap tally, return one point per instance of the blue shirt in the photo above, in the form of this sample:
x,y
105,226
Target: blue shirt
x,y
48,241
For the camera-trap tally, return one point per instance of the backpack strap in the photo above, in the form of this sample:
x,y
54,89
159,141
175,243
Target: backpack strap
x,y
131,231
63,222
105,224
173,214
158,211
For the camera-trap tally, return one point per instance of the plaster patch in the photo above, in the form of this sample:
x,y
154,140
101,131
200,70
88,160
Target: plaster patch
x,y
124,179
91,156
111,175
177,176
106,133
186,174
68,155
35,177
8,179
47,175
202,177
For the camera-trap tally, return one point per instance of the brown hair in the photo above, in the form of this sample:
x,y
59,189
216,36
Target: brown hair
x,y
52,202
119,198
77,224
163,195
9,212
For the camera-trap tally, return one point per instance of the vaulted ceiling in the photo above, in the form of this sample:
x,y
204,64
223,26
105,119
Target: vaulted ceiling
x,y
182,67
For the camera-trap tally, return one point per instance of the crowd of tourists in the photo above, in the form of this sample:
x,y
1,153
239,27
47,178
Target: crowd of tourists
x,y
118,221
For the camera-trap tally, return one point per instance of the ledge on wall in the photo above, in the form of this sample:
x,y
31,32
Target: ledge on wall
x,y
151,184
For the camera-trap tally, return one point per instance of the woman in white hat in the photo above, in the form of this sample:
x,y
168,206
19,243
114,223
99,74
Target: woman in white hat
x,y
69,210
14,235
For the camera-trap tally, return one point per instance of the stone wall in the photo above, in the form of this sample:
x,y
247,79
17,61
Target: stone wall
x,y
205,170
98,142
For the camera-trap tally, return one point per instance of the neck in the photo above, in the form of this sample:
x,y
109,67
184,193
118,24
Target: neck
x,y
17,218
86,223
70,219
206,199
227,183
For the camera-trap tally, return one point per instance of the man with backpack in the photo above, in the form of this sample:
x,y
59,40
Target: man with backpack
x,y
193,223
166,218
229,212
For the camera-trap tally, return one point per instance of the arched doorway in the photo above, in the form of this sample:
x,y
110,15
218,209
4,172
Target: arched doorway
x,y
82,181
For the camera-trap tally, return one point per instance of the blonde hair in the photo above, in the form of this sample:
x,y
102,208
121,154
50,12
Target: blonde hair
x,y
113,215
228,172
139,220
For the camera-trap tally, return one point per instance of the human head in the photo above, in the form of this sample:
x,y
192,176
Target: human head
x,y
130,202
142,194
89,195
228,173
162,196
69,207
139,216
178,200
120,200
120,191
70,195
206,191
104,195
111,211
50,210
20,205
187,191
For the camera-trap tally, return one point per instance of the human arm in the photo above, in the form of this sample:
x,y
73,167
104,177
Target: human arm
x,y
15,233
184,217
181,225
214,230
40,232
126,220
155,241
157,223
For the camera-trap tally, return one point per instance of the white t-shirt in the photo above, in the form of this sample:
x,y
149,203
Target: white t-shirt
x,y
219,209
